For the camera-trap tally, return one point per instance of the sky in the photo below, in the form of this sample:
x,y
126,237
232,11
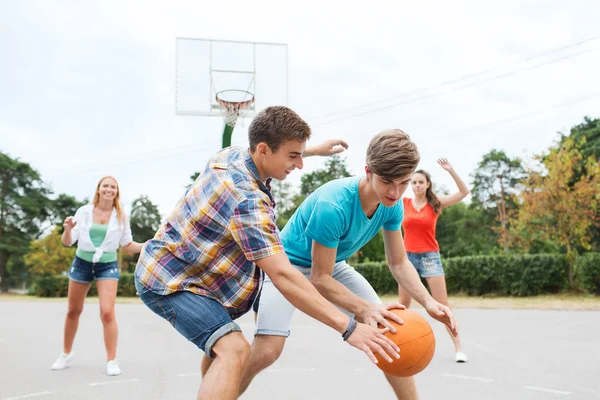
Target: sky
x,y
87,89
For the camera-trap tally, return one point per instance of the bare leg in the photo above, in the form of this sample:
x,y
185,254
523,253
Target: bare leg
x,y
404,388
222,378
107,293
265,350
437,285
206,363
76,295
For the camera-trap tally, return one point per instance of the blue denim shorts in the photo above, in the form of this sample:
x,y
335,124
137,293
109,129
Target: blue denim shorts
x,y
200,319
427,264
85,272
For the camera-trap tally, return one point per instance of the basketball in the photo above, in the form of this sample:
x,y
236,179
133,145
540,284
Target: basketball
x,y
416,341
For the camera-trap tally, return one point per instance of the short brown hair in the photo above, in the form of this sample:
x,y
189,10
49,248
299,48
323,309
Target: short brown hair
x,y
392,155
275,125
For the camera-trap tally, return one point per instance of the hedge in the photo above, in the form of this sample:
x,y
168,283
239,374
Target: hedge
x,y
587,272
504,275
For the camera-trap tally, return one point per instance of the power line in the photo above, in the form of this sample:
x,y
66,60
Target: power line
x,y
455,80
510,119
454,89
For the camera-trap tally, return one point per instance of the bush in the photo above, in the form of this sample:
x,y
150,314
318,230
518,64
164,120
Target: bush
x,y
587,270
58,285
506,275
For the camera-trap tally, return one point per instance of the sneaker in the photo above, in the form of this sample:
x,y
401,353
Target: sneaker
x,y
112,368
62,361
461,357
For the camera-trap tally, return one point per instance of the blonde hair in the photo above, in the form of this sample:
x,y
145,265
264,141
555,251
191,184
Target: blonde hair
x,y
116,200
392,155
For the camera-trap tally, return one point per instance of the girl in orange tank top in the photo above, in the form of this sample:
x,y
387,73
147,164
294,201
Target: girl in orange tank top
x,y
420,218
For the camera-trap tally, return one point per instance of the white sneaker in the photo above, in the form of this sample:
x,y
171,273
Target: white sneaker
x,y
112,368
461,357
62,361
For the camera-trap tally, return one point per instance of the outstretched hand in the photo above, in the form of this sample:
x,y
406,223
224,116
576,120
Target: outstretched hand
x,y
372,340
69,223
444,163
443,314
328,148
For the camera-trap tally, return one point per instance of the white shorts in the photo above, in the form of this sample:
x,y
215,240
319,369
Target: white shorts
x,y
275,311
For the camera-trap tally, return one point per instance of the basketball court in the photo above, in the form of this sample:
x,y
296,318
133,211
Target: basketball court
x,y
513,354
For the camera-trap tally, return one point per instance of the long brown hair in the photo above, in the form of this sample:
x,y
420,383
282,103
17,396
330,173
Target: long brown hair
x,y
116,200
432,199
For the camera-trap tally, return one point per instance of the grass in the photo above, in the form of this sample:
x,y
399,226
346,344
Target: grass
x,y
545,302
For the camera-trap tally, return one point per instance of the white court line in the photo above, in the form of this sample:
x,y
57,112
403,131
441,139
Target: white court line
x,y
477,345
27,395
291,369
472,378
360,369
539,389
190,374
114,382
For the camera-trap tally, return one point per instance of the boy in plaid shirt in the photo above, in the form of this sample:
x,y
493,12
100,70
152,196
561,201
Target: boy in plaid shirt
x,y
200,270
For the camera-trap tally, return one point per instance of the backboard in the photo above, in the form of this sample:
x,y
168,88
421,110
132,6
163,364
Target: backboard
x,y
205,67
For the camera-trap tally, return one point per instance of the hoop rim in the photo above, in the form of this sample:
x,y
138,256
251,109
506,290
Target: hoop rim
x,y
234,104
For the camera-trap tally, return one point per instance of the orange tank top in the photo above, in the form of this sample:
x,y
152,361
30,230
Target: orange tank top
x,y
419,228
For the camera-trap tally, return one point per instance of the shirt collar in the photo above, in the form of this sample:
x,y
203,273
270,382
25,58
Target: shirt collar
x,y
266,186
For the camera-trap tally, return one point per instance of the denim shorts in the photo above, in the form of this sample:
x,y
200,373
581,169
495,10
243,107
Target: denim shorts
x,y
427,264
85,272
275,311
200,319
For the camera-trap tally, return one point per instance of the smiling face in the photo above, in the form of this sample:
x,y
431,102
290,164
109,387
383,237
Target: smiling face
x,y
419,184
281,163
107,190
388,192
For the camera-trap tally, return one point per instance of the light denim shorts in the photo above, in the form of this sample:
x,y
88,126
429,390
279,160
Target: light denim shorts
x,y
201,320
427,264
85,272
275,311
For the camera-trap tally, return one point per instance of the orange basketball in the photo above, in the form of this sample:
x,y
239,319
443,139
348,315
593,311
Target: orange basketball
x,y
417,345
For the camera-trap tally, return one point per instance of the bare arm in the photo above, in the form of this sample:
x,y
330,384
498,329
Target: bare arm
x,y
299,291
327,148
67,238
133,248
407,277
463,190
323,262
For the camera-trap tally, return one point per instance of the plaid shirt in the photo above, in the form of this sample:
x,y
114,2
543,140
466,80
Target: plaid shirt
x,y
208,244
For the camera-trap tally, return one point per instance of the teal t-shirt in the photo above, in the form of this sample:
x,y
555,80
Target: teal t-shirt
x,y
97,235
333,216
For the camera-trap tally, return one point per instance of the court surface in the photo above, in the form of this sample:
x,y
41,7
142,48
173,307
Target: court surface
x,y
514,354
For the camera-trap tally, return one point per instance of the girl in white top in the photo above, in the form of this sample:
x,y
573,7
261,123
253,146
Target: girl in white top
x,y
99,229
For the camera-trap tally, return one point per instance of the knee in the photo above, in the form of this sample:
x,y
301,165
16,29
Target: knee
x,y
268,355
107,316
74,313
235,349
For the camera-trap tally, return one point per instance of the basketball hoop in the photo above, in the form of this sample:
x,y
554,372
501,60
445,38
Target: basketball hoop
x,y
233,103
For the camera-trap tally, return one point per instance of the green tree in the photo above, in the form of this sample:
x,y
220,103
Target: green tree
x,y
145,219
48,256
62,207
551,209
335,167
24,207
465,231
496,181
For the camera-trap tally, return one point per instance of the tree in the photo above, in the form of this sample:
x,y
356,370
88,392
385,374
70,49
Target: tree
x,y
48,256
64,206
335,168
24,207
495,183
465,231
145,219
551,209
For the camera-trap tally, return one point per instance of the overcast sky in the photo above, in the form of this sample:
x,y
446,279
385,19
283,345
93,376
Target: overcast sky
x,y
87,88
